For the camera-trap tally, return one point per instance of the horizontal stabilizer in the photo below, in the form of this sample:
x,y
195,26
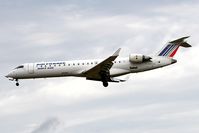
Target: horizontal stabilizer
x,y
181,42
185,44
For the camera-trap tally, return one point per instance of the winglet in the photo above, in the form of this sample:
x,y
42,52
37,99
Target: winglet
x,y
117,52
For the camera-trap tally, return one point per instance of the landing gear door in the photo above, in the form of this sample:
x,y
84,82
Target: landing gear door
x,y
31,68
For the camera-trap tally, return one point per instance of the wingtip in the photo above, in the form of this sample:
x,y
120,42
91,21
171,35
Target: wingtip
x,y
186,37
117,52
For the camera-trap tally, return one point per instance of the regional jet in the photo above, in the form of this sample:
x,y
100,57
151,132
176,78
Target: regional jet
x,y
106,70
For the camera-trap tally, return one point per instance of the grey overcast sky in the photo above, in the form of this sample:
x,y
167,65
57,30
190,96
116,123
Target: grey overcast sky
x,y
160,101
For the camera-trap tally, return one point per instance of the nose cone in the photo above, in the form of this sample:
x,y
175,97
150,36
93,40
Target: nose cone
x,y
173,61
10,75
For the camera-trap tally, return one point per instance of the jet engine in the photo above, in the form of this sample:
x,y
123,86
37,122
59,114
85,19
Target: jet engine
x,y
138,58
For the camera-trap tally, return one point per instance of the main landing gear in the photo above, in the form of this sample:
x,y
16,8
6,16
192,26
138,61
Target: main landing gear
x,y
105,78
17,82
105,84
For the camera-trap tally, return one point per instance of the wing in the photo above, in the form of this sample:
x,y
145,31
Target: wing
x,y
102,70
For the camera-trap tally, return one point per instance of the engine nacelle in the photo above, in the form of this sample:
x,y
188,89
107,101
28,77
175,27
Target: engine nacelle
x,y
138,58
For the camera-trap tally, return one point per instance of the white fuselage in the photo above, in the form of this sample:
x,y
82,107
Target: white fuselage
x,y
100,70
77,68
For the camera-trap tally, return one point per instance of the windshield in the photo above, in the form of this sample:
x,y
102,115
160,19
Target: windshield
x,y
19,67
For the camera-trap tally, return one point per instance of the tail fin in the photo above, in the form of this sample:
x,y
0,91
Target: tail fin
x,y
172,47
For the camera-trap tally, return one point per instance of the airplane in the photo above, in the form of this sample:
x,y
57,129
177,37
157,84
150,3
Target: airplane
x,y
100,70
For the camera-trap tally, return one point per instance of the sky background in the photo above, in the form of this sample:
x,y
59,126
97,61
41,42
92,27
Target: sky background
x,y
163,100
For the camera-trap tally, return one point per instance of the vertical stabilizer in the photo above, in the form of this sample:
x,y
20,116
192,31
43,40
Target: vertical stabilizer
x,y
172,47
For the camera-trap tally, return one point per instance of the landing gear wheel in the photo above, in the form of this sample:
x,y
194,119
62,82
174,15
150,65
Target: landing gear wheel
x,y
17,84
105,76
105,84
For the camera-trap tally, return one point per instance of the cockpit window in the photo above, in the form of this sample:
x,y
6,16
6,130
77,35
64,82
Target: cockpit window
x,y
19,67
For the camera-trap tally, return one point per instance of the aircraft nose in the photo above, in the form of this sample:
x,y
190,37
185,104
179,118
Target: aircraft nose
x,y
173,61
10,75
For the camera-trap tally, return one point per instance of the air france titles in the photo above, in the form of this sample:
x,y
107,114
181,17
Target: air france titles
x,y
49,65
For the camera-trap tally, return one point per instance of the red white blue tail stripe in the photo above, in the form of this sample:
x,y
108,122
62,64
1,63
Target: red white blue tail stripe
x,y
169,51
172,47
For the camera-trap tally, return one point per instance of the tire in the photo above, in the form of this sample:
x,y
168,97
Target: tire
x,y
105,84
17,84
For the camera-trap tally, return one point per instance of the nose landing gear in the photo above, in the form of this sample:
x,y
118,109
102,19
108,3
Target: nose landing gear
x,y
17,82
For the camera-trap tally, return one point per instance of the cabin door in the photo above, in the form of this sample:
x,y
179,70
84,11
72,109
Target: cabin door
x,y
31,68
